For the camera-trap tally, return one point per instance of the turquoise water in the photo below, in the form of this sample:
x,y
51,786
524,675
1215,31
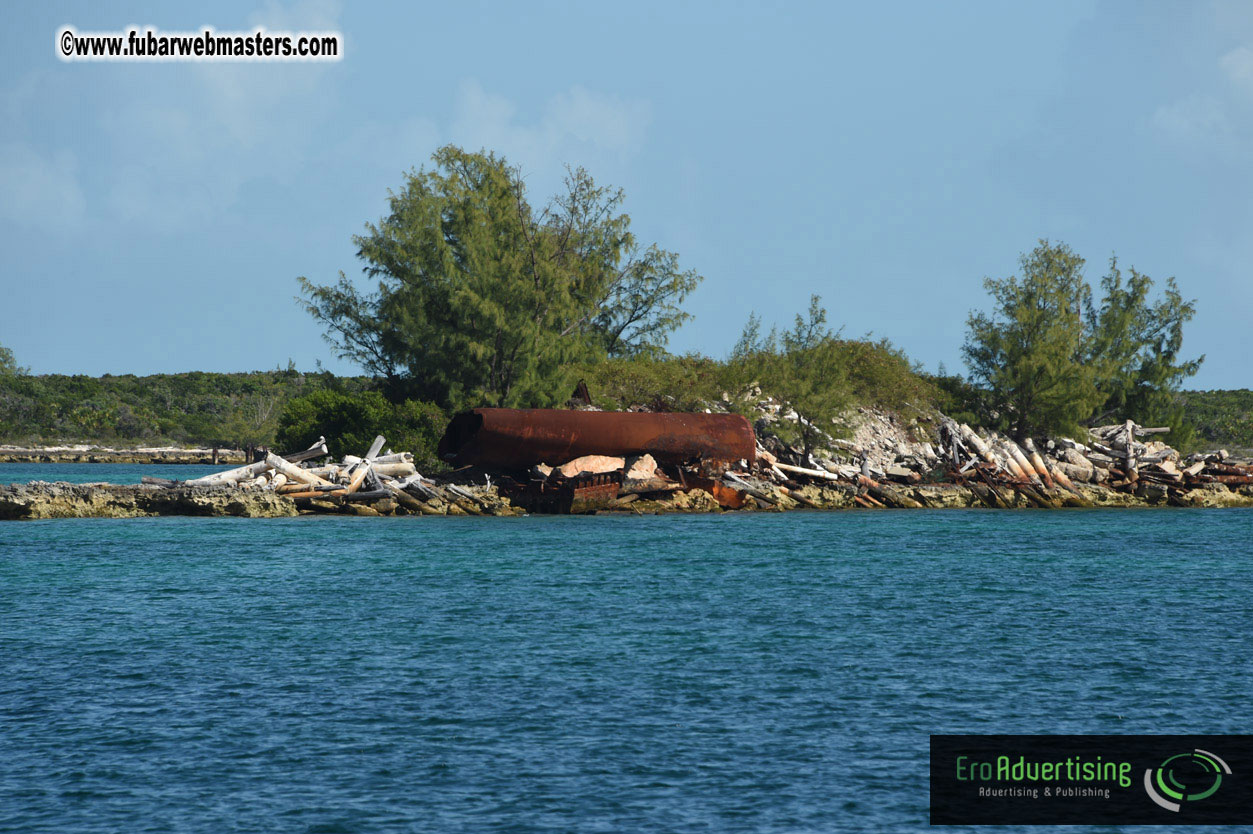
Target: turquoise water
x,y
764,673
114,473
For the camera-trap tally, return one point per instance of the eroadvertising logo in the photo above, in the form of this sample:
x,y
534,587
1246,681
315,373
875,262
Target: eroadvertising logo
x,y
1068,780
1193,776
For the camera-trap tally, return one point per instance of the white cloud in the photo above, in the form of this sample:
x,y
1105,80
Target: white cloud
x,y
203,131
1238,65
1218,116
39,189
1196,119
576,126
605,121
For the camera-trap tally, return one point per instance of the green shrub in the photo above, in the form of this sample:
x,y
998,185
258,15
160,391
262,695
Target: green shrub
x,y
675,383
350,422
1221,418
204,409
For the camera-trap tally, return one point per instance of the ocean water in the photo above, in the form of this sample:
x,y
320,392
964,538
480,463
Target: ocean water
x,y
114,473
755,673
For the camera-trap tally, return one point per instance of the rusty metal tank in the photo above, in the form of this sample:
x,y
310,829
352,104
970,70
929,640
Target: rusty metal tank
x,y
516,438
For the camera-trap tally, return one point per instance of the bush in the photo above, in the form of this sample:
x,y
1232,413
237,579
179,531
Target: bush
x,y
1221,418
880,374
350,422
674,383
204,409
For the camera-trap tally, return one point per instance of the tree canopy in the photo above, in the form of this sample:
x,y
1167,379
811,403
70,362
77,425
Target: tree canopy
x,y
482,299
1052,358
1135,345
8,364
803,368
350,421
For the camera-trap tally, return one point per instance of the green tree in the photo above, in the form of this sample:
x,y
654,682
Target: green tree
x,y
483,299
1135,345
350,423
8,364
1031,352
802,369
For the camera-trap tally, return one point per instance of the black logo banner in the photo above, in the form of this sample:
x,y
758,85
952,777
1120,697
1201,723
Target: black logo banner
x,y
1067,780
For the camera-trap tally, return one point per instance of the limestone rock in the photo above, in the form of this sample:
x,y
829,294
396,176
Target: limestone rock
x,y
642,468
61,500
591,464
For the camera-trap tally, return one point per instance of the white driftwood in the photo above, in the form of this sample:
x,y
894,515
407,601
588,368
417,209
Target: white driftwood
x,y
977,443
398,457
1037,462
1021,459
394,470
1015,468
252,470
813,473
317,450
295,473
1061,479
232,476
1131,447
358,476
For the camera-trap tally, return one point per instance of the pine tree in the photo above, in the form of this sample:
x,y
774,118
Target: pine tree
x,y
1031,352
484,300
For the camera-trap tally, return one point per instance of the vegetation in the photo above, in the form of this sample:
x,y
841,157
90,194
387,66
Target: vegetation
x,y
802,369
481,298
484,300
8,365
808,370
1221,418
1134,345
1049,359
662,383
1030,351
201,409
351,421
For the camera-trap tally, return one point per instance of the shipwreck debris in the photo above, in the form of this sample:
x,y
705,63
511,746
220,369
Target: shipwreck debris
x,y
582,461
517,438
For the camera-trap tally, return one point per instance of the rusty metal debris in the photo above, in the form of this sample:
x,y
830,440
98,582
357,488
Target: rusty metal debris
x,y
511,439
579,461
562,496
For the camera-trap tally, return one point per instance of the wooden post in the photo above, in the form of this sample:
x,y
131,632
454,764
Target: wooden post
x,y
1130,430
1037,463
978,444
358,477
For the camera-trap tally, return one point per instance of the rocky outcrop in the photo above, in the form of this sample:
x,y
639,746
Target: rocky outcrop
x,y
95,454
61,500
1217,495
945,496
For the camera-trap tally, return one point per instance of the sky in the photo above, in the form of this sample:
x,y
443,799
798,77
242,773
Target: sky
x,y
888,157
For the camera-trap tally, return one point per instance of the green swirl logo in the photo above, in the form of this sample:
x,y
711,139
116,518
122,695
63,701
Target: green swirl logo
x,y
1187,777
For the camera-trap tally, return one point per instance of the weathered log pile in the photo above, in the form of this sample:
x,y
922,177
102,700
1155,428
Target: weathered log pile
x,y
584,461
1119,465
373,485
559,461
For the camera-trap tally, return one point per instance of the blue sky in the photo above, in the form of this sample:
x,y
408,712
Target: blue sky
x,y
154,217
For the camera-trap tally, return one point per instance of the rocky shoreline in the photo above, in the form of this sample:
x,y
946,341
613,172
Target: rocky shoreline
x,y
42,500
97,454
